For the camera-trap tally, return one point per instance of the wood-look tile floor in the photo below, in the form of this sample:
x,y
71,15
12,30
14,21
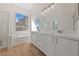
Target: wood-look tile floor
x,y
21,50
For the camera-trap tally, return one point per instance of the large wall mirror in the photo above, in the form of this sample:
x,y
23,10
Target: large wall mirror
x,y
55,25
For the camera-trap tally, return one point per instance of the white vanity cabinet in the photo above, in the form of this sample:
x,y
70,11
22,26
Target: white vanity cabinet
x,y
48,45
66,47
44,42
39,41
55,45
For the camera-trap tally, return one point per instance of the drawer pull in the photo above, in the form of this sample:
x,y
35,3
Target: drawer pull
x,y
56,41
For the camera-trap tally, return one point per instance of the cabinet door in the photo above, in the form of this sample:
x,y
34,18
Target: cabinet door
x,y
33,38
48,45
65,47
38,40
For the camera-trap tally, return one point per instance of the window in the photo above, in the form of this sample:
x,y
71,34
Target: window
x,y
21,22
35,25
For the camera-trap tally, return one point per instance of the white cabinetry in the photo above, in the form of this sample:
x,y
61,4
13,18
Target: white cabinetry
x,y
44,42
33,38
38,40
48,45
65,47
55,46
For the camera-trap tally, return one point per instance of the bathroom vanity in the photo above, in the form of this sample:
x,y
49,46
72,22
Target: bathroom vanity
x,y
56,44
59,31
67,44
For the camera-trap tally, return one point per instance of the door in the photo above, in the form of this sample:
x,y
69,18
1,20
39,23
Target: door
x,y
65,47
4,23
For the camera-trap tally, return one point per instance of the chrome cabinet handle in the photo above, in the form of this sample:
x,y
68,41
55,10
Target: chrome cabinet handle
x,y
56,41
52,39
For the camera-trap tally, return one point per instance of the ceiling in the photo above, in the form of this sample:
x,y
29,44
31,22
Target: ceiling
x,y
34,8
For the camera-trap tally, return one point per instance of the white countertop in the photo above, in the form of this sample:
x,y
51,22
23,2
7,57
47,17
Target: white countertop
x,y
72,36
66,35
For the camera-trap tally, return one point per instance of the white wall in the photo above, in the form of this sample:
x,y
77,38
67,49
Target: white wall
x,y
12,9
63,13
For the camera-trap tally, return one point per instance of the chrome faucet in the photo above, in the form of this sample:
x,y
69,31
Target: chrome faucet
x,y
60,31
